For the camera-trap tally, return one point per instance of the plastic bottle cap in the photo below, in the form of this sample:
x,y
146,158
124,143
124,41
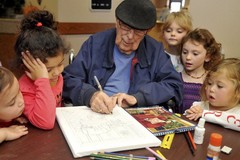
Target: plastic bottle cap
x,y
201,122
216,139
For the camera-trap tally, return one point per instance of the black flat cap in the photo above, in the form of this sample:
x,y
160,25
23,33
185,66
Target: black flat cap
x,y
138,14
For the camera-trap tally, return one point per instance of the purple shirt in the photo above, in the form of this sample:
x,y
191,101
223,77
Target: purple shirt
x,y
191,93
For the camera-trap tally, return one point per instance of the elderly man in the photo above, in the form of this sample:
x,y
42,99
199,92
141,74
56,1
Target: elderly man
x,y
132,67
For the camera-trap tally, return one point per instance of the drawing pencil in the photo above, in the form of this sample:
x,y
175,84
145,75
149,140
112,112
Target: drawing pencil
x,y
158,152
155,154
130,155
116,157
98,83
191,139
189,143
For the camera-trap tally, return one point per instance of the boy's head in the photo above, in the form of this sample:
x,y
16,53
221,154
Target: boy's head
x,y
11,99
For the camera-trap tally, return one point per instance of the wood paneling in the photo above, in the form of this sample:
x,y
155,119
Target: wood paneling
x,y
65,28
91,28
7,53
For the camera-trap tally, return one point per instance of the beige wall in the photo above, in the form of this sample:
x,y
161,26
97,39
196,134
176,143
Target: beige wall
x,y
218,16
221,18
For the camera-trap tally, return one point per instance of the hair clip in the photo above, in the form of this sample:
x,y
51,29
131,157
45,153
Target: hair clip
x,y
39,24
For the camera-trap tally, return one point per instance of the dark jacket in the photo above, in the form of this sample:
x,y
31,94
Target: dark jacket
x,y
154,80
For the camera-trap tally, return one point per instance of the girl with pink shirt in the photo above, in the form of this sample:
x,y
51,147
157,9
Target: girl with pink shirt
x,y
40,54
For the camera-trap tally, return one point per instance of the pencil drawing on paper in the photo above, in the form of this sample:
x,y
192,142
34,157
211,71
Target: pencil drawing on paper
x,y
87,132
95,127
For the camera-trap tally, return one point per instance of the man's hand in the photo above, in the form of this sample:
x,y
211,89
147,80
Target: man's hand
x,y
124,100
102,103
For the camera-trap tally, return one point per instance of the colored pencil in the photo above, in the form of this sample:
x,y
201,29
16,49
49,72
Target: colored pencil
x,y
130,155
155,154
191,139
189,143
158,152
119,156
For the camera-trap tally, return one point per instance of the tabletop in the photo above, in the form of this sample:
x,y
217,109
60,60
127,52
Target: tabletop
x,y
51,145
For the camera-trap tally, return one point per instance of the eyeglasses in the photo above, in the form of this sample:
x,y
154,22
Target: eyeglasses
x,y
127,28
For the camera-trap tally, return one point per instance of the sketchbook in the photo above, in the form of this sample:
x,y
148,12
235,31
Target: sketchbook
x,y
89,132
160,121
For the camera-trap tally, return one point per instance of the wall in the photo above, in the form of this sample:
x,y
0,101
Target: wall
x,y
218,16
221,18
79,11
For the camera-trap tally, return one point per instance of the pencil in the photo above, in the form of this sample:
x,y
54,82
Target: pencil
x,y
191,139
158,152
118,157
98,83
130,155
155,154
189,143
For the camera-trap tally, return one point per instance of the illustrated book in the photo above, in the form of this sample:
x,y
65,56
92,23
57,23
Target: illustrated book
x,y
160,121
89,132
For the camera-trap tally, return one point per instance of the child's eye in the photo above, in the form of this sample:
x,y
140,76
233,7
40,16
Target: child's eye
x,y
12,103
195,53
209,83
168,30
219,86
184,52
180,31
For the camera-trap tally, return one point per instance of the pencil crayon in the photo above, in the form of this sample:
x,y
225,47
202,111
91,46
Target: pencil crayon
x,y
189,143
191,139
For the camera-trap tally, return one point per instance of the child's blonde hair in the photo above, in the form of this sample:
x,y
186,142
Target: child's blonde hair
x,y
6,78
230,67
204,37
182,18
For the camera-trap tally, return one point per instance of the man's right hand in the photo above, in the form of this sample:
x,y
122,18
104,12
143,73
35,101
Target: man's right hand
x,y
102,103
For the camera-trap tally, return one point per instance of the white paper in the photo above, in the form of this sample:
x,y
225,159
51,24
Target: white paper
x,y
89,132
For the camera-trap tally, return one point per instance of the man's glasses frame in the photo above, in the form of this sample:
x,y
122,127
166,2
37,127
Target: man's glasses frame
x,y
127,28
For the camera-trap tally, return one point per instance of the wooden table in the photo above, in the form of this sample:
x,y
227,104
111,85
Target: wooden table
x,y
51,145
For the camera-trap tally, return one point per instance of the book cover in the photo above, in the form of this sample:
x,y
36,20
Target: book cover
x,y
89,132
159,121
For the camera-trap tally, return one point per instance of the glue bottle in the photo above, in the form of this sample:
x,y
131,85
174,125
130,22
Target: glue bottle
x,y
199,132
214,146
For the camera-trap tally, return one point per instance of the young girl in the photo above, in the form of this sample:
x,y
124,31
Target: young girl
x,y
176,26
40,54
200,52
11,107
220,96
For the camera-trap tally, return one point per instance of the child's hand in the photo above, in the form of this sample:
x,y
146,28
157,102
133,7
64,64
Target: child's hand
x,y
36,68
194,113
13,132
21,120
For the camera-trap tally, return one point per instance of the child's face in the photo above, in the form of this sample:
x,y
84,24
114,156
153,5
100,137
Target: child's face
x,y
194,55
11,102
220,92
174,34
55,67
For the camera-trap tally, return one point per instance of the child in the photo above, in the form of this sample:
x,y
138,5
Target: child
x,y
41,51
220,96
11,107
176,26
200,52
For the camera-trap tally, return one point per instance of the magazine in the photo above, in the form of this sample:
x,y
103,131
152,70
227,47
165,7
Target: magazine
x,y
160,121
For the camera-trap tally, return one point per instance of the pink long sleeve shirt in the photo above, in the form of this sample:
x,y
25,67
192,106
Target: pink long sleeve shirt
x,y
41,100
